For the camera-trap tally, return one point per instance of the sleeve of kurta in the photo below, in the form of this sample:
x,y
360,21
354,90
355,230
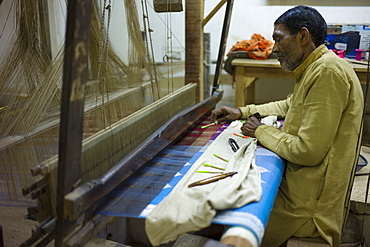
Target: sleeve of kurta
x,y
276,108
316,112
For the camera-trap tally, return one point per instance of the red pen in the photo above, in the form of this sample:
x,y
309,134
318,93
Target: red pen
x,y
235,134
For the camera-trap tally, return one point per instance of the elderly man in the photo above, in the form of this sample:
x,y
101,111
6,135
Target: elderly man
x,y
320,135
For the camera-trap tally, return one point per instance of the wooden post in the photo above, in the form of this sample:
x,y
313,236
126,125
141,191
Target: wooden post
x,y
223,41
194,45
72,108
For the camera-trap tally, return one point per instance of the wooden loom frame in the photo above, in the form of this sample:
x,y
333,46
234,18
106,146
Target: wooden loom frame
x,y
71,206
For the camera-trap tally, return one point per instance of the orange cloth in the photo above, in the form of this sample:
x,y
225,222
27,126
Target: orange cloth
x,y
257,47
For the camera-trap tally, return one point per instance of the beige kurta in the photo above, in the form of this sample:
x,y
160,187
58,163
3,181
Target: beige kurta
x,y
318,140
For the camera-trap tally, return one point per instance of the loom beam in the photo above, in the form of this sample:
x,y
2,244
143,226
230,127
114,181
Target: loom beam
x,y
72,108
87,195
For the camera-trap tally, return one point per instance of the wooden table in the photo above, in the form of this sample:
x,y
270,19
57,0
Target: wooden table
x,y
248,70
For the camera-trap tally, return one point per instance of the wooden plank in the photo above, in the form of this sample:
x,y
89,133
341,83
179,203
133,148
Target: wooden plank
x,y
213,12
247,62
72,108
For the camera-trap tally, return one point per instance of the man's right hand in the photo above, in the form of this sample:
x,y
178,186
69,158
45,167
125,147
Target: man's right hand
x,y
225,114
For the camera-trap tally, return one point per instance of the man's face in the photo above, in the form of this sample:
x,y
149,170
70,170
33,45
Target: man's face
x,y
286,47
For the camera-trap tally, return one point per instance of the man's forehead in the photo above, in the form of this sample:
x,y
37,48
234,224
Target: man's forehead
x,y
280,29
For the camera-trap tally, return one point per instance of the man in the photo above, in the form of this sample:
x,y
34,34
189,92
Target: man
x,y
320,135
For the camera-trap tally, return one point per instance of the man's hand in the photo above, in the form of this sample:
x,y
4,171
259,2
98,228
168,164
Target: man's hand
x,y
225,114
250,126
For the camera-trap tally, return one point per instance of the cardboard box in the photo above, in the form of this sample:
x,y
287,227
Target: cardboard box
x,y
348,41
363,29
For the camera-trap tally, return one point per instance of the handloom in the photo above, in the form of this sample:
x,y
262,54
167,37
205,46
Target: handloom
x,y
108,92
115,101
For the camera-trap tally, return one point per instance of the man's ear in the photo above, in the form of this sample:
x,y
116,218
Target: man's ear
x,y
304,36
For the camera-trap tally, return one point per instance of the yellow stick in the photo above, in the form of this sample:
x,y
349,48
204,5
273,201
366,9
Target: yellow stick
x,y
221,158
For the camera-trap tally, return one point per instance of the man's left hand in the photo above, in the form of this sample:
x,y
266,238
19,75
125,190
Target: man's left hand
x,y
250,126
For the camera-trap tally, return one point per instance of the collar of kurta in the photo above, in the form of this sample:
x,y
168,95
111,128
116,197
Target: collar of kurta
x,y
316,54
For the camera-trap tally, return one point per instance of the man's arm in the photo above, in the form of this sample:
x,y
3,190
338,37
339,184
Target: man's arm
x,y
226,114
276,108
314,121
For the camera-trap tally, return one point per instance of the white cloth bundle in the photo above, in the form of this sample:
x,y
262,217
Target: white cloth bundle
x,y
190,209
271,120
